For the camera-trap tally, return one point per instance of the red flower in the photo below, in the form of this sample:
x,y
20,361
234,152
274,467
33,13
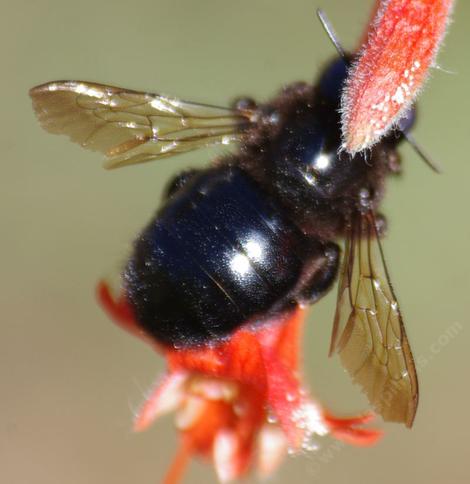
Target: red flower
x,y
239,397
402,44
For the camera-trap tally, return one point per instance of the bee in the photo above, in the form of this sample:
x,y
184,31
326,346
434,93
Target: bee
x,y
255,235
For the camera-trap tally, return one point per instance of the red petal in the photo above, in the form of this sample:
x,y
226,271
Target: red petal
x,y
289,339
166,397
298,417
238,359
402,44
119,310
358,437
347,430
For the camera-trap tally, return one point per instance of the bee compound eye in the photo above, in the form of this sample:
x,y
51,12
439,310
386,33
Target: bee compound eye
x,y
332,81
407,121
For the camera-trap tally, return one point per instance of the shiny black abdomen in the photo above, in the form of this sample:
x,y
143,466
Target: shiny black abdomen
x,y
219,254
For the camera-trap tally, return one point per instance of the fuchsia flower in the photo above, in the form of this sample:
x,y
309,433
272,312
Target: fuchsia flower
x,y
239,398
402,43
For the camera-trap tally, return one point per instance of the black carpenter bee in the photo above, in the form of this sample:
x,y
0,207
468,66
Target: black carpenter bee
x,y
254,235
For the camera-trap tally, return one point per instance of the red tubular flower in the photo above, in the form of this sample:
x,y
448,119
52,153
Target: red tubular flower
x,y
239,397
402,44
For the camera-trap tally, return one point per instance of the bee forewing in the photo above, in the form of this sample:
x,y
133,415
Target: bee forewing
x,y
129,126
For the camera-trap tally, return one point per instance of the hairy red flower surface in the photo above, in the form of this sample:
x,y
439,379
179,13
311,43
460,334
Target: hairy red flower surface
x,y
239,399
402,44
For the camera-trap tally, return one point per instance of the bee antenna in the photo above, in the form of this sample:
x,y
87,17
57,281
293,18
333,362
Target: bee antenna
x,y
421,153
330,31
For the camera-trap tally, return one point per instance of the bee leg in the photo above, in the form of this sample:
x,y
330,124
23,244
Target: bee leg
x,y
324,271
178,182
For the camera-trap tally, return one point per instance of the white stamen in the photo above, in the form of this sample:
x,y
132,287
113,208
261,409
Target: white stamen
x,y
273,447
224,454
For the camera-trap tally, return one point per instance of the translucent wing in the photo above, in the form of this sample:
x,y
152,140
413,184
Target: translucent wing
x,y
130,126
368,330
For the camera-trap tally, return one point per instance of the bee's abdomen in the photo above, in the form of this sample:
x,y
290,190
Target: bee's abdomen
x,y
219,254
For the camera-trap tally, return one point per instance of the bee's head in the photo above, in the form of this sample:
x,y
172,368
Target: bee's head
x,y
333,78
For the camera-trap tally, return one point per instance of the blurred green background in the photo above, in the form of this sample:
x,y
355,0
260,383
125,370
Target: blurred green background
x,y
70,380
